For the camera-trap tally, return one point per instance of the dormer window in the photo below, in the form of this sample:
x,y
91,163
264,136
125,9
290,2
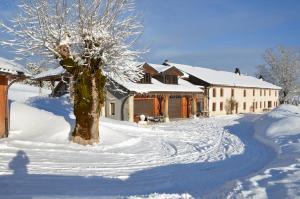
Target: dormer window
x,y
170,79
146,79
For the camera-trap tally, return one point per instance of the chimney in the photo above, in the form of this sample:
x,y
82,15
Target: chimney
x,y
166,62
237,71
260,77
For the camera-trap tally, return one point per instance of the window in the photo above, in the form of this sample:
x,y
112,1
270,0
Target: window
x,y
221,106
274,104
221,92
260,104
275,93
264,104
199,106
146,79
264,92
112,109
245,93
171,79
253,92
260,92
214,92
244,106
269,104
232,92
269,92
214,106
255,105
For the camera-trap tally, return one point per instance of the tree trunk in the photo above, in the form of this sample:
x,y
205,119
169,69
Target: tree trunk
x,y
88,99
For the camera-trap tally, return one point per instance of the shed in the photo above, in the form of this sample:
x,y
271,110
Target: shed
x,y
10,72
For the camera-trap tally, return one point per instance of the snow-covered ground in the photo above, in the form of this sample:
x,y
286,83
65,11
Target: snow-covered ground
x,y
280,178
182,159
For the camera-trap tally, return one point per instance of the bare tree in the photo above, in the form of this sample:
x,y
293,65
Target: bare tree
x,y
282,68
91,39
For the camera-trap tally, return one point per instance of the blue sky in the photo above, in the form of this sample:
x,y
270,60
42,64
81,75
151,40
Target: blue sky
x,y
213,33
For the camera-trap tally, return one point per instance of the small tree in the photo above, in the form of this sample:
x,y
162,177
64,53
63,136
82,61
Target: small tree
x,y
282,69
231,105
91,39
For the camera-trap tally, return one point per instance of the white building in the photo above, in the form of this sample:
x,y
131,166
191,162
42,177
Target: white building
x,y
228,92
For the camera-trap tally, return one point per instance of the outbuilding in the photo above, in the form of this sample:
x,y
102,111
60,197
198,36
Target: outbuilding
x,y
10,72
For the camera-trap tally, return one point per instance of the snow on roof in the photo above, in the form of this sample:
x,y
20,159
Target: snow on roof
x,y
157,86
51,72
10,67
159,67
216,77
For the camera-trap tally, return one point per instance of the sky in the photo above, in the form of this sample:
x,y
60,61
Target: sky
x,y
219,34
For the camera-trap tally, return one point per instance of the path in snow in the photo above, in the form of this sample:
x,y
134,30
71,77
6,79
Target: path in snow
x,y
193,156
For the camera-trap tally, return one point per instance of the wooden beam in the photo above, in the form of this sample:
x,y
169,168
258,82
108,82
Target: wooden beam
x,y
3,106
166,108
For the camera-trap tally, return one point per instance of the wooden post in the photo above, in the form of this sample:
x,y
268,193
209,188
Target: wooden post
x,y
3,107
166,111
194,107
131,108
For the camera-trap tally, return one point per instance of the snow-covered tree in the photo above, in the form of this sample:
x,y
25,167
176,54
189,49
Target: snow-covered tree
x,y
92,39
282,68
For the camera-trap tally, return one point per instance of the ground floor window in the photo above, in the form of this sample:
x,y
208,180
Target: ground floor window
x,y
244,106
199,107
264,104
214,106
112,108
269,104
260,104
221,106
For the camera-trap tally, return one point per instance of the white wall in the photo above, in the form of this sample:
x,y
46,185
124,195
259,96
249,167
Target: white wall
x,y
118,106
239,97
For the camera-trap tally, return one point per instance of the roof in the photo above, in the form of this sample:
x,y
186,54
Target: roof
x,y
216,77
183,86
59,71
160,68
12,68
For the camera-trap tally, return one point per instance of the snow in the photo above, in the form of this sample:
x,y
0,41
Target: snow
x,y
21,93
157,86
281,178
159,67
238,156
216,77
51,72
10,67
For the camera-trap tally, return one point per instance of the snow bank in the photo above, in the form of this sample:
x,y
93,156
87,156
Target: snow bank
x,y
281,178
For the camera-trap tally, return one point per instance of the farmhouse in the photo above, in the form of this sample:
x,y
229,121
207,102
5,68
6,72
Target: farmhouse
x,y
228,92
162,94
10,72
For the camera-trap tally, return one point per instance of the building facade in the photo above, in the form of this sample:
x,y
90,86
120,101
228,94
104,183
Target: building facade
x,y
231,93
234,100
